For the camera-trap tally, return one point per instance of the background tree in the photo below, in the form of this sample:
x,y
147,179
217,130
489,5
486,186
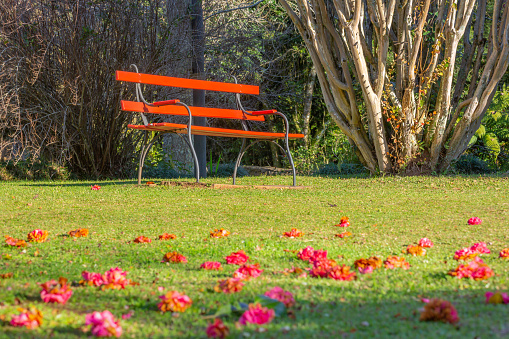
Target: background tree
x,y
387,71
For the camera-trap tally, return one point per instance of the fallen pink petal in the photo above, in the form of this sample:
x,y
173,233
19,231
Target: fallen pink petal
x,y
56,291
474,221
283,296
257,314
425,242
496,298
217,329
103,324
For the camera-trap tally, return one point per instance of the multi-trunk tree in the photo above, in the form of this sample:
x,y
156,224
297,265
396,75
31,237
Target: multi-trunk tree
x,y
407,81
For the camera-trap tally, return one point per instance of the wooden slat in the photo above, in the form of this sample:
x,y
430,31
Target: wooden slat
x,y
213,131
134,106
186,83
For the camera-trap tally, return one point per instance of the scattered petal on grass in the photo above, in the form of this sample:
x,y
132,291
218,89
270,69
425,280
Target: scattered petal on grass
x,y
237,258
322,267
15,242
246,271
29,318
174,257
344,222
103,324
37,236
318,255
496,298
465,254
95,187
504,254
425,242
341,272
128,315
365,270
219,233
257,314
174,301
283,296
167,236
217,329
294,233
142,239
393,262
211,265
373,262
415,250
115,279
306,253
230,285
7,275
80,232
480,248
474,221
56,292
344,235
475,269
91,279
439,310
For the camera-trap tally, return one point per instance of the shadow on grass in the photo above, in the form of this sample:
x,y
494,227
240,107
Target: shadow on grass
x,y
334,316
79,184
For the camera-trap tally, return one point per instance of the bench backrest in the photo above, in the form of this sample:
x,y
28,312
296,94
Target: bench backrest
x,y
150,79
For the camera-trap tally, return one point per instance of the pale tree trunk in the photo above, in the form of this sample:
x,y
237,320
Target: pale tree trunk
x,y
495,68
456,23
308,102
388,115
175,147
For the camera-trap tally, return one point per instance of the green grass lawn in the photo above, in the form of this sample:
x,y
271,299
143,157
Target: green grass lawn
x,y
386,215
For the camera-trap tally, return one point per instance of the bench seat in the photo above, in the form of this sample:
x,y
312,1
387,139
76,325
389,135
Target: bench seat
x,y
213,131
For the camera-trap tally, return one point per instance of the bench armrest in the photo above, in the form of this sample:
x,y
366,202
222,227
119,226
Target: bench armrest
x,y
166,102
269,111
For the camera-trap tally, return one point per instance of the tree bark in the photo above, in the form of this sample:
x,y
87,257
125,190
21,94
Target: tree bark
x,y
382,98
308,101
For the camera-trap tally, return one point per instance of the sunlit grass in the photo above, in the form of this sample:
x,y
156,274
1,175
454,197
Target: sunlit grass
x,y
386,214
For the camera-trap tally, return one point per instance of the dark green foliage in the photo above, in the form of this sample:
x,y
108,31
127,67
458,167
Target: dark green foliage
x,y
32,170
491,140
349,168
225,171
162,172
470,164
328,169
344,168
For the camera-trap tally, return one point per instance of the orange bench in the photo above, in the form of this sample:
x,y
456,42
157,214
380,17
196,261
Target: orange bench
x,y
175,107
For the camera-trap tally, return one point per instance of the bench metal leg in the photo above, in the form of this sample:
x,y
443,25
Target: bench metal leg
x,y
239,158
189,143
289,155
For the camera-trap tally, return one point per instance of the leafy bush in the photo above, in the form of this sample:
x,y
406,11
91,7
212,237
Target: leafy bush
x,y
470,164
328,169
344,168
349,168
32,170
491,140
226,170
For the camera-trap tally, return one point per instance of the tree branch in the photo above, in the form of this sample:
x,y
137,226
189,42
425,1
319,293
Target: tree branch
x,y
233,9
